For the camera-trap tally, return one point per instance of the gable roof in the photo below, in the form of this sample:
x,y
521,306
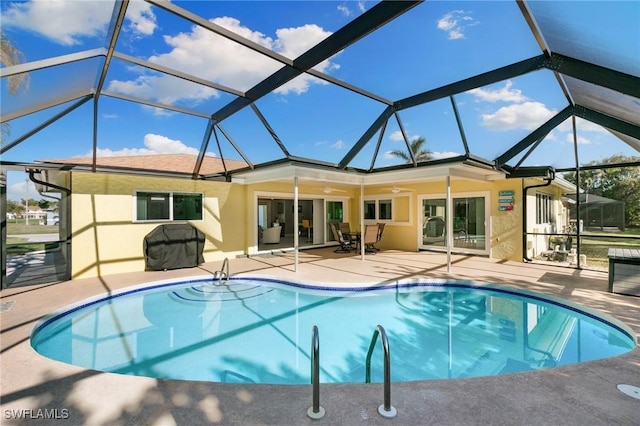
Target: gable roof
x,y
170,163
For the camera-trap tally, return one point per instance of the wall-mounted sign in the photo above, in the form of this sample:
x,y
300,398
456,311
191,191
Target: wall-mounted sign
x,y
506,200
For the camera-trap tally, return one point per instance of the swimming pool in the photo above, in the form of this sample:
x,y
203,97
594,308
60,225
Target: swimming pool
x,y
258,330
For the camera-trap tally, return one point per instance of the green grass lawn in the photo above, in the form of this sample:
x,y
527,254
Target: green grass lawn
x,y
595,245
21,228
18,246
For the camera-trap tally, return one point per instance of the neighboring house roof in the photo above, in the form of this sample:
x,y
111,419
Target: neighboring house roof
x,y
177,163
590,199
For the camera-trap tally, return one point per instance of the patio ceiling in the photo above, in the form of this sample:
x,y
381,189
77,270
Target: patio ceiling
x,y
598,83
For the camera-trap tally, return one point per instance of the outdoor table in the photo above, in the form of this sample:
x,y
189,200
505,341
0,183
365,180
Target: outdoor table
x,y
624,271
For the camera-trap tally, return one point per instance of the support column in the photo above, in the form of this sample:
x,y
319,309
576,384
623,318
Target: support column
x,y
3,230
296,228
449,216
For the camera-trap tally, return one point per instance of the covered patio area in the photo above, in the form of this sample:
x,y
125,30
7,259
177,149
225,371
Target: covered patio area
x,y
577,394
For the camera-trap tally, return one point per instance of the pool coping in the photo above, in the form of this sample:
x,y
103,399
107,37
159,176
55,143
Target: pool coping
x,y
583,393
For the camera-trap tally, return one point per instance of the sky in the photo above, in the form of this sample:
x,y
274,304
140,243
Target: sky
x,y
433,44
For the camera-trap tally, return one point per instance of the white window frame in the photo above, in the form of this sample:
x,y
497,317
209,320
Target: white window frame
x,y
544,208
170,194
376,201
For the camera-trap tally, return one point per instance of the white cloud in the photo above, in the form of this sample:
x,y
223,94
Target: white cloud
x,y
396,136
581,139
338,145
66,22
164,89
435,155
141,18
202,53
455,23
154,144
293,42
503,94
22,189
582,125
388,156
527,115
445,154
344,10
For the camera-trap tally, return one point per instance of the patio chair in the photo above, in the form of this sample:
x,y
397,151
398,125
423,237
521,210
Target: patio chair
x,y
370,238
307,227
345,229
344,245
271,235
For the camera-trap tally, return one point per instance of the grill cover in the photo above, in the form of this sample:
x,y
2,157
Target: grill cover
x,y
173,246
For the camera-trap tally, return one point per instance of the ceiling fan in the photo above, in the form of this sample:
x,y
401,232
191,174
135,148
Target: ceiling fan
x,y
395,189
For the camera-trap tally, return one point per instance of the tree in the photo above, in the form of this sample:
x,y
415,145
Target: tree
x,y
14,207
419,153
10,56
617,183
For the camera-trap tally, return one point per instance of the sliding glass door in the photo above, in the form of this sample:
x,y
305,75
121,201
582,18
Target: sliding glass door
x,y
335,215
470,215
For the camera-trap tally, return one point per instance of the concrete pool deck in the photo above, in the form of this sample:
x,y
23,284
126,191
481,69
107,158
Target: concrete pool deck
x,y
582,394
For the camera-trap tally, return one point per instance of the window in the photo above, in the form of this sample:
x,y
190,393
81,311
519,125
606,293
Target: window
x,y
543,208
164,206
370,209
384,210
378,209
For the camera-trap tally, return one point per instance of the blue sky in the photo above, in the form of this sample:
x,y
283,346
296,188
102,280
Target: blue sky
x,y
434,44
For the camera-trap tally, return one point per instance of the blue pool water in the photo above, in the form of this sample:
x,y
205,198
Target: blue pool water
x,y
259,331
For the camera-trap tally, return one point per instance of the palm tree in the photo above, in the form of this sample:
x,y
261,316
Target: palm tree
x,y
9,56
419,153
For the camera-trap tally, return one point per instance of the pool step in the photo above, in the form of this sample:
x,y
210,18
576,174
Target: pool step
x,y
214,293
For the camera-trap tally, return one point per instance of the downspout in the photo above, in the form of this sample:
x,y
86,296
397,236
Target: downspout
x,y
33,179
524,213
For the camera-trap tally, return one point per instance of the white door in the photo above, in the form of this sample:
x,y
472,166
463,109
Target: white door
x,y
470,222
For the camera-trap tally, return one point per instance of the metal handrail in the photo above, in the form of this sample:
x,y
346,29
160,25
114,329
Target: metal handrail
x,y
315,411
386,409
223,273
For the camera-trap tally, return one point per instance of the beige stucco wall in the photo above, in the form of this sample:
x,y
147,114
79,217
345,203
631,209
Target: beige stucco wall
x,y
106,240
537,244
505,227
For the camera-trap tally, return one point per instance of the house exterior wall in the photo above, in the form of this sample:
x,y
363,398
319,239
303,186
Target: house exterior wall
x,y
504,227
539,243
106,240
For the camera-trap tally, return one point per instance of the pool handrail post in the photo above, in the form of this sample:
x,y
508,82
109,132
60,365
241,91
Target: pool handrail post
x,y
223,272
386,409
225,269
316,411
